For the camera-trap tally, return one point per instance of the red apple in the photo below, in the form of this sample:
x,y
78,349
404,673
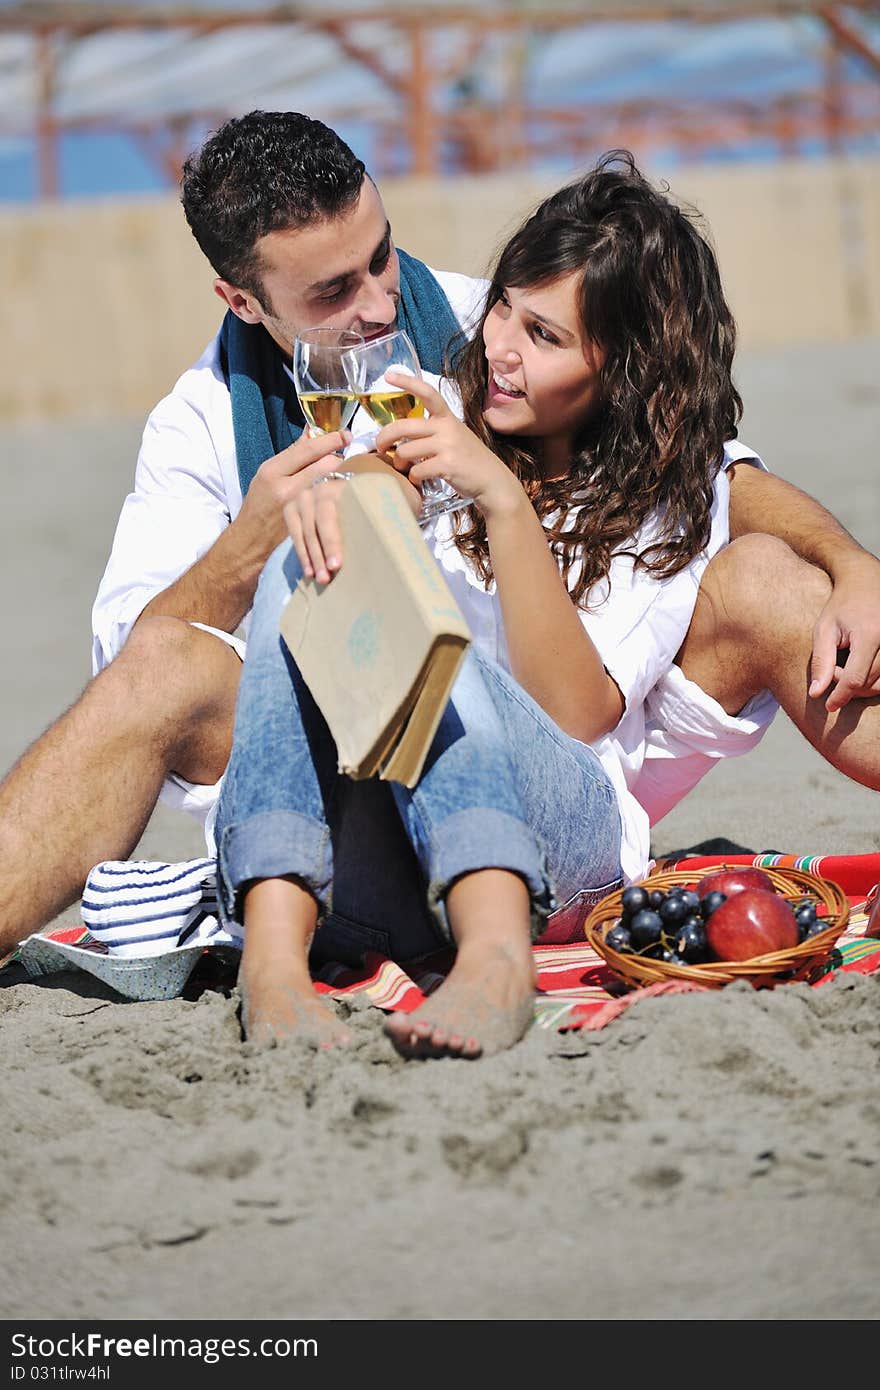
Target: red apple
x,y
752,922
733,880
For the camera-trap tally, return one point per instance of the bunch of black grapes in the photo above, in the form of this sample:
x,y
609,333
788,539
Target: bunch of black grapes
x,y
671,925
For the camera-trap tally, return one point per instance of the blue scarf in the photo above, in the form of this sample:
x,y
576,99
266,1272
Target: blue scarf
x,y
266,415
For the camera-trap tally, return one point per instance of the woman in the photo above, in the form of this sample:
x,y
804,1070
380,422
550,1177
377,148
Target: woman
x,y
597,400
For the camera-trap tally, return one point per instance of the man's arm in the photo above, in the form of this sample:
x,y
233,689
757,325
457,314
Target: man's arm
x,y
186,545
219,589
850,621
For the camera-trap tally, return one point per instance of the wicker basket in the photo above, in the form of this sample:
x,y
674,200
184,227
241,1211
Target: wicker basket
x,y
794,964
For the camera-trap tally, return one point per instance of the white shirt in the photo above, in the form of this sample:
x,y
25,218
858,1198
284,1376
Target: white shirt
x,y
187,491
186,487
637,623
637,628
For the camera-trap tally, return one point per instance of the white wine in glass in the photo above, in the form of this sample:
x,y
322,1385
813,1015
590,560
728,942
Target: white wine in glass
x,y
320,377
367,368
388,406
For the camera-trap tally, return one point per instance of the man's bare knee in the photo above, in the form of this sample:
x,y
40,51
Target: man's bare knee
x,y
755,582
176,662
166,639
755,610
180,684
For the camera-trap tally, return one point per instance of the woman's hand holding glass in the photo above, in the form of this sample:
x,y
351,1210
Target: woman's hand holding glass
x,y
372,368
440,446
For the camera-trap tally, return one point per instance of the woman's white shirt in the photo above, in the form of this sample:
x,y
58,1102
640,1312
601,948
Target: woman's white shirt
x,y
636,621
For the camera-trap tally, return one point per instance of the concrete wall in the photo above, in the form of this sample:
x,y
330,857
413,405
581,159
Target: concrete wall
x,y
106,302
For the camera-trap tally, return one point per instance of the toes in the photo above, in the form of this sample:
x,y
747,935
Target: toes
x,y
398,1027
402,1032
419,1037
341,1039
407,1044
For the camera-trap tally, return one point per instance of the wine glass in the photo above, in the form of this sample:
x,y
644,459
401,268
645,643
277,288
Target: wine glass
x,y
367,368
321,380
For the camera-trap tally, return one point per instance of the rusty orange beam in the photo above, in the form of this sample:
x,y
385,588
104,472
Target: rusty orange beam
x,y
47,127
78,16
849,37
834,93
338,30
421,109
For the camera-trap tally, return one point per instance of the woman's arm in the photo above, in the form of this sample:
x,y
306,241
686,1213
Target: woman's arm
x,y
551,655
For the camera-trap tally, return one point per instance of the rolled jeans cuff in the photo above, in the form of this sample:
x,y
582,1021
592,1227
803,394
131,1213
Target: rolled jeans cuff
x,y
273,844
476,839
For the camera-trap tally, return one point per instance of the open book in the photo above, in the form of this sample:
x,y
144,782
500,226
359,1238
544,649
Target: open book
x,y
379,646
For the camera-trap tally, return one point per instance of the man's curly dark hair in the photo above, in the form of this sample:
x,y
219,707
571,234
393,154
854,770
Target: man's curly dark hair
x,y
264,172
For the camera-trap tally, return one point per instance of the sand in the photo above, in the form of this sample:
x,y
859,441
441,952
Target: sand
x,y
704,1157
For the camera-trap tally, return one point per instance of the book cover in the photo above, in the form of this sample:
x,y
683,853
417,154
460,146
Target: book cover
x,y
380,645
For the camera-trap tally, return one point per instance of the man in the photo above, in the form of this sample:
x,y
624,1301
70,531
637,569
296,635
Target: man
x,y
298,237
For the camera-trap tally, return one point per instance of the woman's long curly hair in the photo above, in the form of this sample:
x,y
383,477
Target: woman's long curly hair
x,y
650,297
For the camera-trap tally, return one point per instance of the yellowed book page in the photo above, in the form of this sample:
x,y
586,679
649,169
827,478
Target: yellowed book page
x,y
405,762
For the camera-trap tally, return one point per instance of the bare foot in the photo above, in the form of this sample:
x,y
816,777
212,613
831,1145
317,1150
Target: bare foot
x,y
486,1005
278,999
274,1009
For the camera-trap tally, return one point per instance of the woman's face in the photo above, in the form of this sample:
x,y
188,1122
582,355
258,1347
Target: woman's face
x,y
543,378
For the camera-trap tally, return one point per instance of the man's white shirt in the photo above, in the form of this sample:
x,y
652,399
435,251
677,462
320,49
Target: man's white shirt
x,y
186,487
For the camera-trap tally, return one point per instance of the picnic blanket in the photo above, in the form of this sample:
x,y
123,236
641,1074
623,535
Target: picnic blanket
x,y
575,988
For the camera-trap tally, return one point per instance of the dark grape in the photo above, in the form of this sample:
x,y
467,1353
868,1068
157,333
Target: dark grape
x,y
657,951
656,896
633,900
619,938
673,911
813,928
645,928
691,942
805,916
710,902
691,900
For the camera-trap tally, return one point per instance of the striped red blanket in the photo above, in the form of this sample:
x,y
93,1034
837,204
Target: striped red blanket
x,y
575,987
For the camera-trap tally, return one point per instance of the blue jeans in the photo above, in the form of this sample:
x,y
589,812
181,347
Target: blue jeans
x,y
502,787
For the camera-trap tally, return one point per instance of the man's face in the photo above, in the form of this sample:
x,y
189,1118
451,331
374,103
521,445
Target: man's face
x,y
339,273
